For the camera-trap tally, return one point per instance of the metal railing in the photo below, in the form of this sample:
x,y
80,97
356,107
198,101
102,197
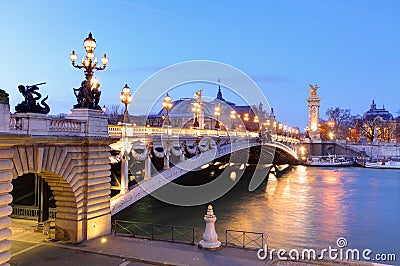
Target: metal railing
x,y
244,239
30,212
170,233
187,235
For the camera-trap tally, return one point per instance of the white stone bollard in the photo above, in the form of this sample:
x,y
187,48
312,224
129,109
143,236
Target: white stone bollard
x,y
209,240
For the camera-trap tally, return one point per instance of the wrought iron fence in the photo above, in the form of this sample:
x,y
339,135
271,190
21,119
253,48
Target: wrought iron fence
x,y
171,233
30,212
244,239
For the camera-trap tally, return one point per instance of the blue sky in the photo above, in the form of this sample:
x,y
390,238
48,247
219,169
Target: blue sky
x,y
351,49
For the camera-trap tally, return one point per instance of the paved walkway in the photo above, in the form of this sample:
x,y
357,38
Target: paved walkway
x,y
32,248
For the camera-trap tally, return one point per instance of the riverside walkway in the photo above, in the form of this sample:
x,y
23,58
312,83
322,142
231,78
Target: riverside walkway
x,y
31,248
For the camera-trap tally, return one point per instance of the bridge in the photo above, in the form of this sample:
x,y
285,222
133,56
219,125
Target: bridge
x,y
72,155
139,143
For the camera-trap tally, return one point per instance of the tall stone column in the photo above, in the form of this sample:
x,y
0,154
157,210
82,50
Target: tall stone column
x,y
313,113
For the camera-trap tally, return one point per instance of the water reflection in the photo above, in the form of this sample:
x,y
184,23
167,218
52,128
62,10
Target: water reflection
x,y
304,208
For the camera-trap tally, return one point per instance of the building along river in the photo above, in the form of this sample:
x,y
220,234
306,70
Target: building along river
x,y
304,208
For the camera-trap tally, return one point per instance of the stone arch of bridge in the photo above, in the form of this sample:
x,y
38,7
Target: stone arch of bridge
x,y
79,177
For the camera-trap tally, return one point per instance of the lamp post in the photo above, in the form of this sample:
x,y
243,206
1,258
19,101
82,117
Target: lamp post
x,y
196,111
246,117
217,113
268,124
91,97
233,116
126,98
280,128
256,121
167,104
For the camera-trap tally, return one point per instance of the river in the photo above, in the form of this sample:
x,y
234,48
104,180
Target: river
x,y
304,208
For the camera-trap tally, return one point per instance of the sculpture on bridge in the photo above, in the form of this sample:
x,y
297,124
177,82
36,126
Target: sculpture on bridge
x,y
313,90
198,94
31,96
87,97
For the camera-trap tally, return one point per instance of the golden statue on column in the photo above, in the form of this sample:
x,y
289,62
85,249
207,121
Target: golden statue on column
x,y
313,90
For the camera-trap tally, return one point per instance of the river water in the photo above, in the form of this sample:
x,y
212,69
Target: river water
x,y
304,208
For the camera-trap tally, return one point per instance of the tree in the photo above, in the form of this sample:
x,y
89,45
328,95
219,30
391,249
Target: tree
x,y
382,130
340,119
324,129
115,114
366,128
354,128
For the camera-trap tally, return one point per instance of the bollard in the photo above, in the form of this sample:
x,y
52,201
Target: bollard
x,y
209,240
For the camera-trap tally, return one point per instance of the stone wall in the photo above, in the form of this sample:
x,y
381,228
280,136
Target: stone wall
x,y
79,177
378,150
323,148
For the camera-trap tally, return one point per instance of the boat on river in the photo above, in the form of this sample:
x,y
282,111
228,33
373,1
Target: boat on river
x,y
383,164
328,161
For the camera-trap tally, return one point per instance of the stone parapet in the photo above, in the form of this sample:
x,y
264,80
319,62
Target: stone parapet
x,y
96,122
4,111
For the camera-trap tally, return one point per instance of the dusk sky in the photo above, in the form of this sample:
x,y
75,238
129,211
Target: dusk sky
x,y
351,49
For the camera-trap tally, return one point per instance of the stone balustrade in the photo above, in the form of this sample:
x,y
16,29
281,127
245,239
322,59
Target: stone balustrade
x,y
66,125
115,131
43,125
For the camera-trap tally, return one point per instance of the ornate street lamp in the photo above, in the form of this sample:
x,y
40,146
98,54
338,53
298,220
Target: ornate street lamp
x,y
196,111
126,98
268,125
167,104
217,113
256,122
233,116
246,117
89,95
